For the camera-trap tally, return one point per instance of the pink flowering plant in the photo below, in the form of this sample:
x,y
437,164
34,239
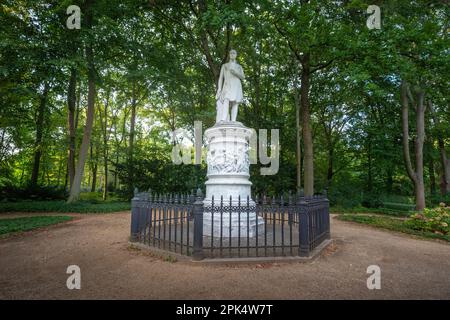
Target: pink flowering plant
x,y
436,220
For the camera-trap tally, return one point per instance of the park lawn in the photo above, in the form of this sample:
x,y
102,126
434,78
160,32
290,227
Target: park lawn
x,y
390,224
385,211
61,206
13,225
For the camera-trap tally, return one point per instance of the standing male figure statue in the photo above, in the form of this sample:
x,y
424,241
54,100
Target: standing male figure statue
x,y
229,90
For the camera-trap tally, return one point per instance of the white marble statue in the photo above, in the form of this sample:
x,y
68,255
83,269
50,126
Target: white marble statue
x,y
228,163
229,90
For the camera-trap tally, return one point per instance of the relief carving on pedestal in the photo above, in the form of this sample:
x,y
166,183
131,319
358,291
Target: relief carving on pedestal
x,y
221,161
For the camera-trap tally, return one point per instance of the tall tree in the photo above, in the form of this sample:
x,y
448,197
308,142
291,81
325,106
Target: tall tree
x,y
105,134
445,161
39,133
76,185
416,175
312,39
71,103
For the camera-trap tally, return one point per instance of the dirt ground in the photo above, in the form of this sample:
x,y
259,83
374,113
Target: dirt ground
x,y
33,266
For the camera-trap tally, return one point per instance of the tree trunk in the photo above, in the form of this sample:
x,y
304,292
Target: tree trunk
x,y
71,102
389,180
76,186
105,153
431,172
420,128
131,141
115,171
307,134
60,166
445,162
369,165
2,145
66,176
39,134
417,175
298,139
94,162
330,172
445,182
94,178
104,124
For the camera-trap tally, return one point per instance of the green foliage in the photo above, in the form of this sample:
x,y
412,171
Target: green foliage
x,y
435,220
398,206
62,206
11,192
383,211
345,192
96,197
13,225
434,200
393,224
371,200
162,177
161,57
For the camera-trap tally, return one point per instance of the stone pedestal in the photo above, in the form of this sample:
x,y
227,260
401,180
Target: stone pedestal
x,y
228,174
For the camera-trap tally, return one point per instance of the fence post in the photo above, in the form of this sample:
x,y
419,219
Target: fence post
x,y
327,217
198,226
191,199
135,217
303,229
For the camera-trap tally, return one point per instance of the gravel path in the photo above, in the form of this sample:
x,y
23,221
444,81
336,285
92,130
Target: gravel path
x,y
33,266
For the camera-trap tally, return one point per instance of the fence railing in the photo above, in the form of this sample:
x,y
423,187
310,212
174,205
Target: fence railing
x,y
229,228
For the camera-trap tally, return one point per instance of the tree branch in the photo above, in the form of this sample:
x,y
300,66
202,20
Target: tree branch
x,y
294,50
321,66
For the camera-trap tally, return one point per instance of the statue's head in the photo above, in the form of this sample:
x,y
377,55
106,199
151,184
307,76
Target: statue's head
x,y
233,54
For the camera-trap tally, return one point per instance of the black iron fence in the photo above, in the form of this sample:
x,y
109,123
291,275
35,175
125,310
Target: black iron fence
x,y
228,228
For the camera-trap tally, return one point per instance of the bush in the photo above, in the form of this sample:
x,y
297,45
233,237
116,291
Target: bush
x,y
371,200
398,198
435,220
16,193
399,206
434,200
393,224
340,198
61,206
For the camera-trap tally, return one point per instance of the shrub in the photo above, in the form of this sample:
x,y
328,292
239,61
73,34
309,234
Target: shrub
x,y
398,206
80,206
17,193
371,200
340,197
435,220
433,200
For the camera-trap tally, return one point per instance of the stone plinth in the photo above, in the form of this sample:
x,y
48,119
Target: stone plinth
x,y
228,176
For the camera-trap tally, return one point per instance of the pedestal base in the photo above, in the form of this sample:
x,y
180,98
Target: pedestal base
x,y
228,174
232,224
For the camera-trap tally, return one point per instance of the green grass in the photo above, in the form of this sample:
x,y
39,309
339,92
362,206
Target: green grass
x,y
386,211
97,197
390,224
61,206
8,226
398,206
